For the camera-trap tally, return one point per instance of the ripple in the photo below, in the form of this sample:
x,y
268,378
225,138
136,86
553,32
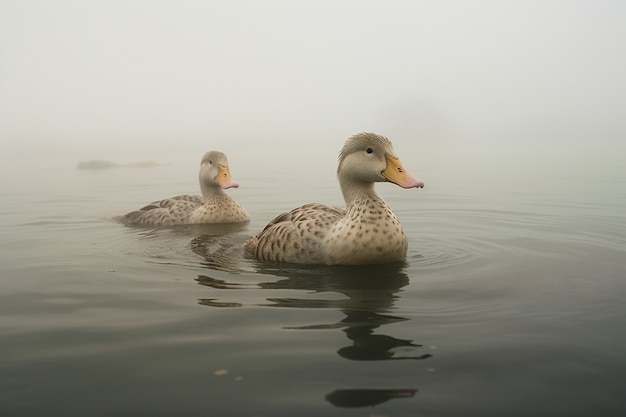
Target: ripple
x,y
440,256
452,237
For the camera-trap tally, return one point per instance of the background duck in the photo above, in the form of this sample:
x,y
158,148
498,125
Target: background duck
x,y
366,232
215,206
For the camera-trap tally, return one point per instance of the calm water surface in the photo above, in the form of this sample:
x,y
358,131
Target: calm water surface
x,y
511,302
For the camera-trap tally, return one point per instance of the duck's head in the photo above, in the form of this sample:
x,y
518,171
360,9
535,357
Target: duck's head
x,y
214,172
369,158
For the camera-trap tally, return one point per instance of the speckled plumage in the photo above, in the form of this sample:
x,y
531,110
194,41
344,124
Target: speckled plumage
x,y
215,206
367,232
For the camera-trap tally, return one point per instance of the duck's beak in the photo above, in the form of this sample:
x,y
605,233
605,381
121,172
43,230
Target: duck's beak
x,y
395,173
224,179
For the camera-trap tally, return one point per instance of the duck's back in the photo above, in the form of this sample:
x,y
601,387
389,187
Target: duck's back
x,y
168,212
296,236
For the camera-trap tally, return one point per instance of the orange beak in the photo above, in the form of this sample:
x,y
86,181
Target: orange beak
x,y
224,179
396,173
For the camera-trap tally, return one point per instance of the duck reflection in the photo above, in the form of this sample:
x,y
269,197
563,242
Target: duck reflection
x,y
368,295
201,233
351,398
367,346
220,245
368,292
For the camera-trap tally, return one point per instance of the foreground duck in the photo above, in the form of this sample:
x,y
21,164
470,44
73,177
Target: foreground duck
x,y
215,206
366,232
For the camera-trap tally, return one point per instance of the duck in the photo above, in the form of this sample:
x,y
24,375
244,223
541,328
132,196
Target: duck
x,y
365,232
214,206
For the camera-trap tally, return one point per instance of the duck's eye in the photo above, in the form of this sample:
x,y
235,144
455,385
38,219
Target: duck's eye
x,y
210,162
370,150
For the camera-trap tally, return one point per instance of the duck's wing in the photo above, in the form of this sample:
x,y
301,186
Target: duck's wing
x,y
167,212
296,236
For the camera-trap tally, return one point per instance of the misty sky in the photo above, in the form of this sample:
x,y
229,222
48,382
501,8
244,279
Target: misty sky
x,y
85,76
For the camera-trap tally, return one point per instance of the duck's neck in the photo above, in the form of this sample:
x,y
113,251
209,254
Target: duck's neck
x,y
211,191
353,191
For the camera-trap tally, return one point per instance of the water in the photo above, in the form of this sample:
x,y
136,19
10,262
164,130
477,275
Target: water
x,y
510,303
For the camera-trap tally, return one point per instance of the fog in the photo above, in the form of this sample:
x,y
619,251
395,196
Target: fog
x,y
455,83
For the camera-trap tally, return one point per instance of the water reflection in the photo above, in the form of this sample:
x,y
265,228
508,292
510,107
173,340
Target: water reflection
x,y
202,233
367,346
221,246
365,295
352,398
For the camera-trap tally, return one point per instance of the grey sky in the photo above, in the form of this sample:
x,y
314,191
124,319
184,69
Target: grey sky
x,y
94,75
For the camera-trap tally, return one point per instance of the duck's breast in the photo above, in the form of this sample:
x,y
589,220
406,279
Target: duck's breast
x,y
368,234
222,209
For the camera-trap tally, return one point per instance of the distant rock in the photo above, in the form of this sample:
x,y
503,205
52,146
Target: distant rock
x,y
96,164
